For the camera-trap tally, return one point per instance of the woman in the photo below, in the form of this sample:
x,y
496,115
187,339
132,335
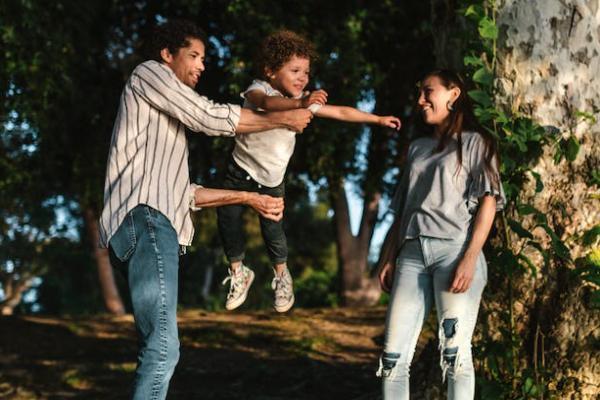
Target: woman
x,y
445,206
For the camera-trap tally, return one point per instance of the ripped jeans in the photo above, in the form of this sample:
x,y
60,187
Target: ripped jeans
x,y
424,272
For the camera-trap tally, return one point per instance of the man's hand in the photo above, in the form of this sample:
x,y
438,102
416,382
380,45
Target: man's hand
x,y
316,97
296,120
267,206
386,276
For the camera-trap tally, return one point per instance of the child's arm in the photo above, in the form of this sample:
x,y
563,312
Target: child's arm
x,y
276,103
350,114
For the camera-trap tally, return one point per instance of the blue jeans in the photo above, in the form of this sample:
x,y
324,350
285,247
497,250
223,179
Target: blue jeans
x,y
146,248
424,272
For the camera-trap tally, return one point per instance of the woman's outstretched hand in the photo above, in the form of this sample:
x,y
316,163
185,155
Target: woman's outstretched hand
x,y
390,122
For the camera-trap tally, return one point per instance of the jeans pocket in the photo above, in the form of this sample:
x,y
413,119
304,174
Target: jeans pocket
x,y
123,241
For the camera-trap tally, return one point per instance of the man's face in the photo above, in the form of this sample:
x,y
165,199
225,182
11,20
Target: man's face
x,y
187,63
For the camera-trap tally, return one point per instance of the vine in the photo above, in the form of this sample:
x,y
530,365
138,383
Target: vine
x,y
503,372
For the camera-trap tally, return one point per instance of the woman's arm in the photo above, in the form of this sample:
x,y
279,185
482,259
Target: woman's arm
x,y
278,103
387,257
350,114
463,276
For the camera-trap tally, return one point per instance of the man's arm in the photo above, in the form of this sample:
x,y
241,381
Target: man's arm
x,y
160,87
253,121
267,206
163,90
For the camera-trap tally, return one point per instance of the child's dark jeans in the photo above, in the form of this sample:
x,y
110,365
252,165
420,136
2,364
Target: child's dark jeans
x,y
231,223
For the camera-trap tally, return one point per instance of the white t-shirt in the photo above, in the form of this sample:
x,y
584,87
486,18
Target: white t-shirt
x,y
264,155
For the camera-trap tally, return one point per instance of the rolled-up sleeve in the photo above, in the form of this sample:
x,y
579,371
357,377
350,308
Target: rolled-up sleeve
x,y
159,86
483,181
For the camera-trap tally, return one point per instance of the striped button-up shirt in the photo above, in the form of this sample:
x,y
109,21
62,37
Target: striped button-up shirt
x,y
148,155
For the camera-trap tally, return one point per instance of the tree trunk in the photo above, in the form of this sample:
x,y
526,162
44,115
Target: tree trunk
x,y
448,48
357,288
549,69
108,287
13,292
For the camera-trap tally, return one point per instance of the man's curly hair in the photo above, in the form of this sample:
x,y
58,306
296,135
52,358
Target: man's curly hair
x,y
173,35
279,47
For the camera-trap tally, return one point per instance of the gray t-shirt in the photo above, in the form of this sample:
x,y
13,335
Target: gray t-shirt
x,y
264,155
434,198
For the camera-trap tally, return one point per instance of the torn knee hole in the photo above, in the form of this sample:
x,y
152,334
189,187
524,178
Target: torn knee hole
x,y
449,325
450,355
388,362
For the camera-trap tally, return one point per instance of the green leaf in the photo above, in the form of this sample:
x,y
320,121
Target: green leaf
x,y
539,185
526,209
590,236
519,230
473,61
595,177
527,385
488,29
595,299
501,117
473,9
530,264
481,97
558,246
572,148
589,117
483,76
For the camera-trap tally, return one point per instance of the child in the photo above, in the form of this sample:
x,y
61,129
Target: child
x,y
259,162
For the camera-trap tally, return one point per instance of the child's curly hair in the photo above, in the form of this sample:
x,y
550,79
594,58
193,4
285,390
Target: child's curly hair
x,y
279,47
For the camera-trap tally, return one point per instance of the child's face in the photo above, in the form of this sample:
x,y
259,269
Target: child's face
x,y
292,77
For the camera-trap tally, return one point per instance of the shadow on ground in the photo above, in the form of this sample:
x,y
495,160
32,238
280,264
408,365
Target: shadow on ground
x,y
308,354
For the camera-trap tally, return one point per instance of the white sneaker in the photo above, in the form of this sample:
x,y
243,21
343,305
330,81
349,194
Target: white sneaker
x,y
239,282
284,291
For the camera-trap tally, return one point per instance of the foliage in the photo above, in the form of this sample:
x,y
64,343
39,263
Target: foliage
x,y
505,373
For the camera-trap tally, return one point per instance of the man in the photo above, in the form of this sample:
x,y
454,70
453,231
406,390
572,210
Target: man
x,y
147,194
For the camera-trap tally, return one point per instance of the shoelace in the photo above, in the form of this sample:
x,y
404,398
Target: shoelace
x,y
237,282
280,286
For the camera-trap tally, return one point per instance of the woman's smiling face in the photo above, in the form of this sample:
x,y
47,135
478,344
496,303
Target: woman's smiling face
x,y
434,99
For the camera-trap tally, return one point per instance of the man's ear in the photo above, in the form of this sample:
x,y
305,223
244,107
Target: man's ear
x,y
166,55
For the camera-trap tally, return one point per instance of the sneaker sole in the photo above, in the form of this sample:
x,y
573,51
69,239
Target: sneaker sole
x,y
286,307
242,299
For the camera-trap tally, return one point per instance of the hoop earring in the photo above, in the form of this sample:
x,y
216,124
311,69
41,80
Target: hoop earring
x,y
449,106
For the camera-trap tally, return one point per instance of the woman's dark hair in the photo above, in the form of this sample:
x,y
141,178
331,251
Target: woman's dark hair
x,y
173,35
279,47
462,118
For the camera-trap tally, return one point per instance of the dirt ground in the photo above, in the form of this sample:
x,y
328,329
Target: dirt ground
x,y
306,354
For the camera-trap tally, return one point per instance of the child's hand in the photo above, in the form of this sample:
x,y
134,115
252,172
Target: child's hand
x,y
318,97
390,122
